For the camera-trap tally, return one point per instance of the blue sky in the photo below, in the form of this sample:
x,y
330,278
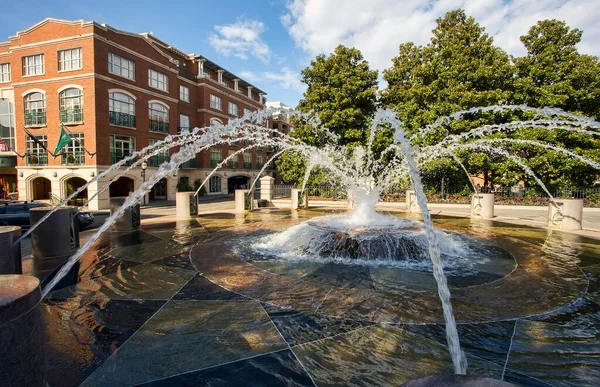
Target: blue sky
x,y
268,42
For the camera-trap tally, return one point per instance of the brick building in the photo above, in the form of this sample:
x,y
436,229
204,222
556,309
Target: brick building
x,y
116,92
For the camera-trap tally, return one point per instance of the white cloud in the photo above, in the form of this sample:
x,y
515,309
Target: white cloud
x,y
284,79
377,29
241,39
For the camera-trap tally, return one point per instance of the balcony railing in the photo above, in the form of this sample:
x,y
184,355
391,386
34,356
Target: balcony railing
x,y
122,119
68,116
37,159
190,164
158,126
157,160
232,164
115,157
187,74
214,163
259,165
74,158
247,165
35,118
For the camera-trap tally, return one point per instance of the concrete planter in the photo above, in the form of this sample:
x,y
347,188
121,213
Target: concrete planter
x,y
412,205
10,256
130,220
299,199
482,205
566,214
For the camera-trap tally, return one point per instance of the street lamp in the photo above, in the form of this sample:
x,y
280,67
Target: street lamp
x,y
144,166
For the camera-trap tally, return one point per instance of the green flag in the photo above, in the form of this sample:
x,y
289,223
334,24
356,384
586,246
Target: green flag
x,y
64,139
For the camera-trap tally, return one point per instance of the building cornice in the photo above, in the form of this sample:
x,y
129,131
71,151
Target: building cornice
x,y
135,53
52,80
49,42
213,112
232,95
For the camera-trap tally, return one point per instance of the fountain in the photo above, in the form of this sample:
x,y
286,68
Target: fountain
x,y
364,237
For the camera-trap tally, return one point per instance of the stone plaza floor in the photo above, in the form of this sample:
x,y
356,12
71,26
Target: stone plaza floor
x,y
172,304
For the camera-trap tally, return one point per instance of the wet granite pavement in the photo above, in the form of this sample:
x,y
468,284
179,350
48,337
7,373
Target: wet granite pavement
x,y
161,307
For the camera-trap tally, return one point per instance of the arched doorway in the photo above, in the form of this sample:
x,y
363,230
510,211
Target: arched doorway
x,y
40,188
237,182
73,184
121,187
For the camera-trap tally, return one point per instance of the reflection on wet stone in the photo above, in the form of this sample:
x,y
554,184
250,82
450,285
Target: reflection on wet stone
x,y
197,334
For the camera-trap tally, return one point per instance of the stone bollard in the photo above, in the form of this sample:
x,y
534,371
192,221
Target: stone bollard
x,y
351,202
54,240
186,205
412,205
266,189
567,216
21,344
130,220
295,198
10,256
243,201
482,205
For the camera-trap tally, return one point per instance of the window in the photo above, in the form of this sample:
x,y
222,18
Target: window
x,y
184,93
121,109
72,153
247,161
35,109
4,72
215,102
215,157
158,116
233,109
247,111
71,105
259,161
215,184
7,126
158,80
158,158
33,65
121,147
184,122
232,162
215,122
120,66
36,154
69,59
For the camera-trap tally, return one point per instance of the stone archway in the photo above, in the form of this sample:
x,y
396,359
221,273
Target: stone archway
x,y
71,185
40,188
121,187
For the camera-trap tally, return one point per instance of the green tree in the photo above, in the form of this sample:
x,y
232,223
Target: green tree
x,y
342,93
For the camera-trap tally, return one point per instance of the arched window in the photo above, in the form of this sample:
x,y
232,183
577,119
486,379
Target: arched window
x,y
215,184
158,115
121,109
7,126
215,122
71,106
35,109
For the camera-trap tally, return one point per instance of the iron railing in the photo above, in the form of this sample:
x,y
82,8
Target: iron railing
x,y
214,163
68,116
232,164
282,191
37,159
36,117
327,193
74,158
190,164
121,119
187,74
247,165
157,160
115,157
158,126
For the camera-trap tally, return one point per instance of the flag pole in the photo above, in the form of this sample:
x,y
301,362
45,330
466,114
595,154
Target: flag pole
x,y
84,148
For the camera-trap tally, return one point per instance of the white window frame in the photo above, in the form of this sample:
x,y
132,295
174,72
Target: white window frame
x,y
4,72
35,149
158,80
75,62
7,120
215,102
214,153
233,109
75,146
35,68
120,66
184,117
114,102
184,93
120,140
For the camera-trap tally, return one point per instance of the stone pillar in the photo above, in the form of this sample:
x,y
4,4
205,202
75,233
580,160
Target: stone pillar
x,y
186,205
482,205
412,205
54,240
242,200
21,343
130,220
10,256
351,203
295,198
567,216
266,189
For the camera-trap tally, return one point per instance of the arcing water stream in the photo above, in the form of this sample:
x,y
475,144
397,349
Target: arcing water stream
x,y
362,174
